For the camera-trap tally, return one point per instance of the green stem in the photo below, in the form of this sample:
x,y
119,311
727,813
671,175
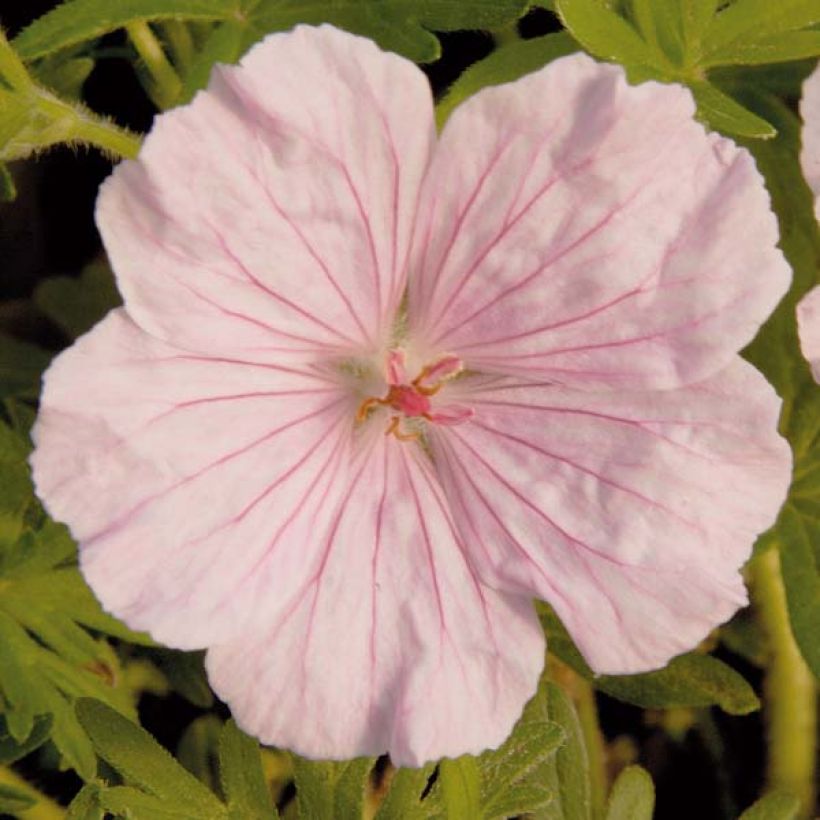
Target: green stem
x,y
181,43
166,85
584,696
790,700
45,809
75,122
505,36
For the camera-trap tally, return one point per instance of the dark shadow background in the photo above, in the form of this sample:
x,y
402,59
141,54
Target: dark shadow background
x,y
709,772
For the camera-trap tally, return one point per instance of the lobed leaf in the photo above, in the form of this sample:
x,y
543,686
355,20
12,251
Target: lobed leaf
x,y
769,48
404,797
243,782
142,762
725,114
745,20
77,21
329,789
688,680
604,33
459,789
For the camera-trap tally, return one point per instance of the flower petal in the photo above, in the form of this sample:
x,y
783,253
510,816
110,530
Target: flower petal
x,y
808,325
630,513
810,152
393,646
187,480
274,212
600,237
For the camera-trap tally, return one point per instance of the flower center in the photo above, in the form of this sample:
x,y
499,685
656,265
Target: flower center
x,y
413,400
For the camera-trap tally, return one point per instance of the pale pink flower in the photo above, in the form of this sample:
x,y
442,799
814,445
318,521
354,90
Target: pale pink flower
x,y
374,390
808,310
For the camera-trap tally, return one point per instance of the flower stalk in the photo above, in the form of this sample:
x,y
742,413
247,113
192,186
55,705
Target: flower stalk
x,y
165,86
790,691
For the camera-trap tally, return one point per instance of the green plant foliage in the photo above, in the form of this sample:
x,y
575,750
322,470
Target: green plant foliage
x,y
13,800
157,786
775,806
78,21
681,40
632,796
505,64
156,782
688,680
76,305
243,783
776,353
567,773
47,656
12,749
404,26
21,365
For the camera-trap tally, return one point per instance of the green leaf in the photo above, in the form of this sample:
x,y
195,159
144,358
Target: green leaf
x,y
132,752
21,366
404,797
568,770
243,782
198,749
724,114
403,26
661,25
688,680
327,789
772,48
746,20
76,305
514,777
505,64
128,802
225,44
64,76
186,674
78,21
460,787
13,800
86,804
11,749
604,33
801,578
696,18
632,796
775,806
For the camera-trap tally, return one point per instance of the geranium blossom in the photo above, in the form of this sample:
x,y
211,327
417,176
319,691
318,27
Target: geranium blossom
x,y
374,390
808,311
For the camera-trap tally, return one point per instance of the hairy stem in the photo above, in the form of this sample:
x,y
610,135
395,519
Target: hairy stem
x,y
44,809
790,699
166,86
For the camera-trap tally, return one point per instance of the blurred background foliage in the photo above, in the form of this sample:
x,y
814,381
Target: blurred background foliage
x,y
79,82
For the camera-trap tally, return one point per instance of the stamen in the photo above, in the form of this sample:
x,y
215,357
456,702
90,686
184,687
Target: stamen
x,y
412,401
